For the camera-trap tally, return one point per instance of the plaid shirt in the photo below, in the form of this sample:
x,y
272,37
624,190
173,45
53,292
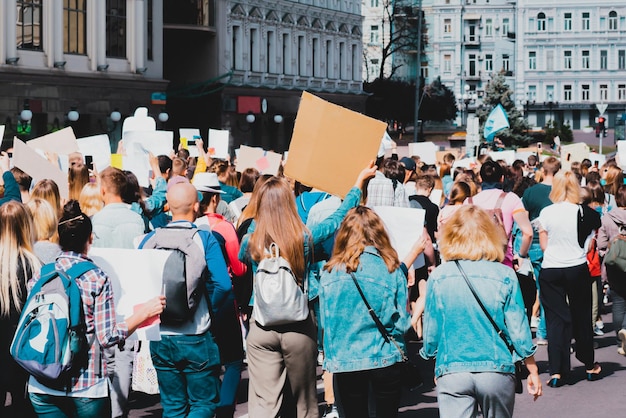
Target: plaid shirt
x,y
99,309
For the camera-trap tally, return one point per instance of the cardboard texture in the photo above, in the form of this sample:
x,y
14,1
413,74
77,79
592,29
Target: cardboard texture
x,y
331,145
267,162
39,168
218,144
99,147
61,142
427,151
188,137
573,152
454,151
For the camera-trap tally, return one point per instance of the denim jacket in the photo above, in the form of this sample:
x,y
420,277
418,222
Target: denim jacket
x,y
351,339
319,233
456,330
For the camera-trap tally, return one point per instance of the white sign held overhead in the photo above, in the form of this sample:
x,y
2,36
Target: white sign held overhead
x,y
601,107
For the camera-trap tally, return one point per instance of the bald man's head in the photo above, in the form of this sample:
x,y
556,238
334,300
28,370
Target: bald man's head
x,y
183,201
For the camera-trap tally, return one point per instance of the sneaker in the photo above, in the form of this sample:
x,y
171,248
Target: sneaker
x,y
331,412
320,358
621,351
534,322
622,337
599,324
598,331
541,341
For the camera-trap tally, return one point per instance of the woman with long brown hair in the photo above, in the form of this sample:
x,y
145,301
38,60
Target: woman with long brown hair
x,y
355,350
275,352
17,264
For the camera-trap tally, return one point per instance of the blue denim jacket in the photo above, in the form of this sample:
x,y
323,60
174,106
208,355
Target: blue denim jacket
x,y
351,339
319,233
456,330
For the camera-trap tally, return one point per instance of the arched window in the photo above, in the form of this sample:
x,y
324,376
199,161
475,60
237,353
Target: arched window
x,y
541,22
613,20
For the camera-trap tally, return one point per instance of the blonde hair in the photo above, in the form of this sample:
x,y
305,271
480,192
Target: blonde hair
x,y
16,251
90,200
565,188
77,177
45,220
277,220
361,227
48,190
471,234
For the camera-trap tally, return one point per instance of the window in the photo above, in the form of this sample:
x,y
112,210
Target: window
x,y
586,21
286,54
567,22
604,59
342,60
532,93
150,38
621,59
506,63
29,25
604,92
550,60
373,3
253,52
488,27
621,92
488,62
613,20
585,92
505,26
472,65
541,22
586,61
329,60
75,26
447,26
447,64
567,93
236,48
532,60
270,52
301,56
315,50
374,34
116,28
567,63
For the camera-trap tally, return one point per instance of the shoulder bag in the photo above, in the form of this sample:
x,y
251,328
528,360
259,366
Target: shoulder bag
x,y
518,364
411,377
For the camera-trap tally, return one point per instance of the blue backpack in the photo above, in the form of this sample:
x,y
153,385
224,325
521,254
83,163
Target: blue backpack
x,y
50,342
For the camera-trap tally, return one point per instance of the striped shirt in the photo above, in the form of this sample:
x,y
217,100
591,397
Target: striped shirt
x,y
99,310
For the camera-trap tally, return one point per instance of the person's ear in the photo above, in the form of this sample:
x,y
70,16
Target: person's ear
x,y
196,207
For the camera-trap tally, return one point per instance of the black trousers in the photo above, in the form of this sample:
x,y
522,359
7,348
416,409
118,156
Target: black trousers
x,y
564,321
354,388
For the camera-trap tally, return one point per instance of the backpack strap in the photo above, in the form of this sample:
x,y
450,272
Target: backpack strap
x,y
500,200
74,273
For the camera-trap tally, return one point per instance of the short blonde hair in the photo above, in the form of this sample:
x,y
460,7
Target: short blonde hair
x,y
90,200
471,234
565,188
45,218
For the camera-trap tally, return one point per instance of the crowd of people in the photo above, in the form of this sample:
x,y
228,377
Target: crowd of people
x,y
503,248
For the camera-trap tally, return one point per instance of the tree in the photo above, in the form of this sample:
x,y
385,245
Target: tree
x,y
437,102
498,92
399,23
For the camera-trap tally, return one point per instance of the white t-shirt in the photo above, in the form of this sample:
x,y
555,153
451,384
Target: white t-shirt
x,y
560,221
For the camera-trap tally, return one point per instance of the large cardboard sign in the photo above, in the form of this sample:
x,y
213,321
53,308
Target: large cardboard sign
x,y
267,162
573,152
427,151
98,147
218,144
61,142
331,145
404,226
136,276
31,162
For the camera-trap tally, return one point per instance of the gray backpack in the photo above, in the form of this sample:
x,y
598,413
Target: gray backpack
x,y
278,298
185,273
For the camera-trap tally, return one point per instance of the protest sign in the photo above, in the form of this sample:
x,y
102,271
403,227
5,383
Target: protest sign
x,y
137,145
600,159
32,163
621,154
98,147
331,145
140,121
266,162
427,151
507,155
136,276
61,142
218,144
405,227
188,137
573,152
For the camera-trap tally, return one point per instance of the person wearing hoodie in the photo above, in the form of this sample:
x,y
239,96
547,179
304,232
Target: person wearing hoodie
x,y
612,222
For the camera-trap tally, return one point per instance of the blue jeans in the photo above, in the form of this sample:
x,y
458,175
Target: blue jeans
x,y
48,406
536,257
619,314
188,369
461,395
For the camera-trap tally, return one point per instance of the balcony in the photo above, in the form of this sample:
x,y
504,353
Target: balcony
x,y
471,40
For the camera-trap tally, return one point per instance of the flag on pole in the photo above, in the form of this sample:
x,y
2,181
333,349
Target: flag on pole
x,y
496,122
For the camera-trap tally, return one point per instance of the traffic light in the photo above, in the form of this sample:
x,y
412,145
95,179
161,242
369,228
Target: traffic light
x,y
601,126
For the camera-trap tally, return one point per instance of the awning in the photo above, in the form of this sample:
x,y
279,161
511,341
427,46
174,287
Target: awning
x,y
471,16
